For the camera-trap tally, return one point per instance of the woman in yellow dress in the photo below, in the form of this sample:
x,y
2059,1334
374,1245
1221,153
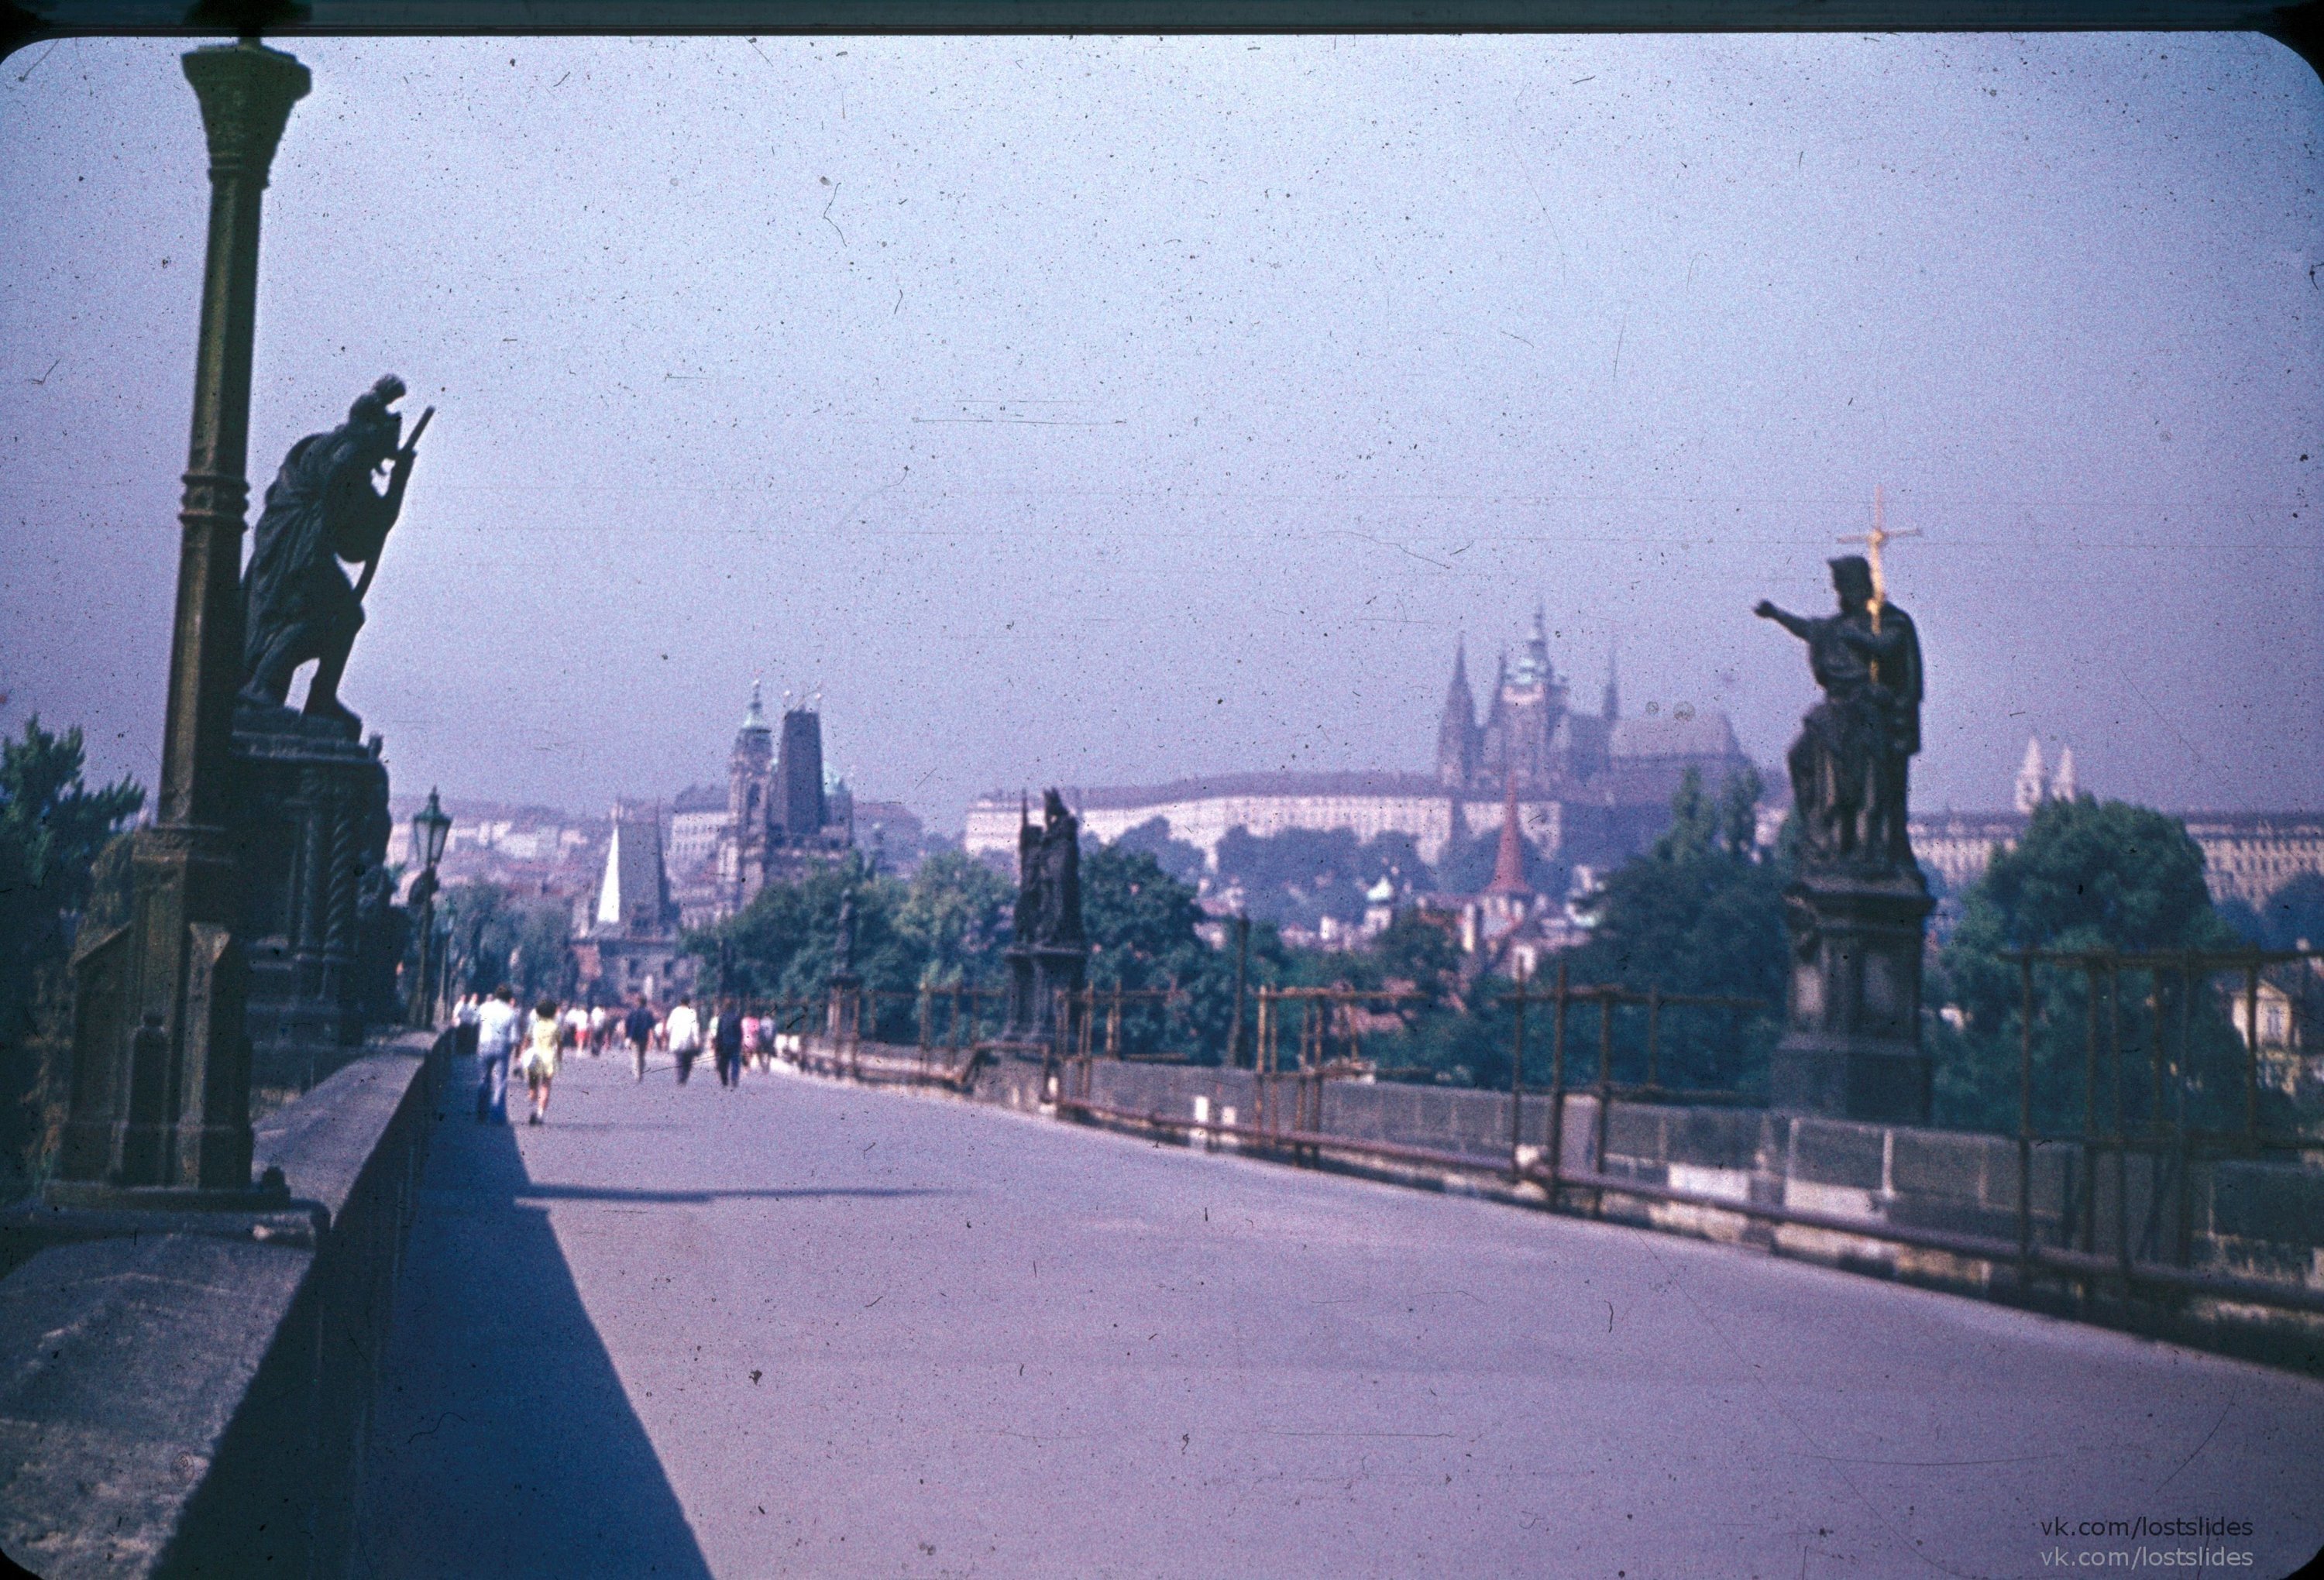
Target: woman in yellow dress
x,y
538,1063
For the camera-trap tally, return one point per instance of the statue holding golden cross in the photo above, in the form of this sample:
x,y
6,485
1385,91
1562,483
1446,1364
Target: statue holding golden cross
x,y
1850,764
1872,541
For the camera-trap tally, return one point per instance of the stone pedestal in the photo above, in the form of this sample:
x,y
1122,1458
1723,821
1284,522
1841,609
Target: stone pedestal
x,y
1037,973
1851,1045
843,1023
321,934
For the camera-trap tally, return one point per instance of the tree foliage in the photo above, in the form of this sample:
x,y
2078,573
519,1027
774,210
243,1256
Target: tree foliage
x,y
498,935
1702,914
52,829
1176,857
1297,877
2292,918
2088,874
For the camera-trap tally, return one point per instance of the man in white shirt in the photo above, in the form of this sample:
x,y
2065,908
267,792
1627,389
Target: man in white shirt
x,y
683,1028
496,1034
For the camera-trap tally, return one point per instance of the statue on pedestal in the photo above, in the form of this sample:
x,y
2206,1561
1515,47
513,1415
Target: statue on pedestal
x,y
843,949
1849,765
321,508
843,1020
1049,952
1858,909
322,930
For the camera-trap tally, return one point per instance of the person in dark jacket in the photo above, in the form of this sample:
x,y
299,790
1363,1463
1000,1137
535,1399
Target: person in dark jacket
x,y
638,1026
726,1043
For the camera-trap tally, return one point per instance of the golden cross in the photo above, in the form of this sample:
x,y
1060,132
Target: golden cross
x,y
1872,541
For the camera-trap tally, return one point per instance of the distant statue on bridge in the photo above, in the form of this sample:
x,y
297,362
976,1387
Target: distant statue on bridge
x,y
1049,877
843,949
1851,764
322,508
1048,953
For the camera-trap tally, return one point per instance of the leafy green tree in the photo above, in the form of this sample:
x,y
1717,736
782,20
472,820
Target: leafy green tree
x,y
1180,859
1418,948
53,828
498,936
1701,913
1141,923
956,916
2292,918
1297,877
2088,874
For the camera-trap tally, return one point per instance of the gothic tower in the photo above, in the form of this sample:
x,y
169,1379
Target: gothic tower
x,y
1528,705
1493,736
798,812
743,847
1456,736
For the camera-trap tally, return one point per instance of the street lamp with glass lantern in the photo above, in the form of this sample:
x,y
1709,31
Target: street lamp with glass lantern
x,y
431,826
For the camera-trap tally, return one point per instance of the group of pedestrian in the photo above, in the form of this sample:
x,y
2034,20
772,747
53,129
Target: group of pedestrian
x,y
506,1035
507,1039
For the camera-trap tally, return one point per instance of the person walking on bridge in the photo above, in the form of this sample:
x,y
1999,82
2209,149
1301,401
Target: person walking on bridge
x,y
496,1032
683,1027
726,1044
638,1028
544,1043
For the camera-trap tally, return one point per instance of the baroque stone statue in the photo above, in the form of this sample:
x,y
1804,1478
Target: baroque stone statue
x,y
1850,766
321,508
843,952
1048,953
1858,908
1049,877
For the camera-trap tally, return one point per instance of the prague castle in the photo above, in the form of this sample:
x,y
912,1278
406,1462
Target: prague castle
x,y
1590,789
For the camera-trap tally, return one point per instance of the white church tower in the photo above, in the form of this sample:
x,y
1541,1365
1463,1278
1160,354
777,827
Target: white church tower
x,y
2033,779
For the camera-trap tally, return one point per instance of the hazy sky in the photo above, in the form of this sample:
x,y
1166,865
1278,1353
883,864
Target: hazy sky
x,y
1105,410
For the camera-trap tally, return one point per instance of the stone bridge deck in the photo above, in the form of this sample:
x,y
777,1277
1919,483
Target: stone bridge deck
x,y
809,1329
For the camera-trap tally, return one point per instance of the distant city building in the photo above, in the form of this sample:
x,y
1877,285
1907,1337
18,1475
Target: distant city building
x,y
1592,788
2247,856
530,850
696,818
627,940
781,815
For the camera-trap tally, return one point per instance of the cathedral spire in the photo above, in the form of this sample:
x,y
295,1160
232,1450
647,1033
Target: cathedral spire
x,y
1456,734
1612,709
755,716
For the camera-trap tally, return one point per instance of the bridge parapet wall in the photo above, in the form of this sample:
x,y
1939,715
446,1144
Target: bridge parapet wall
x,y
197,1401
2258,1219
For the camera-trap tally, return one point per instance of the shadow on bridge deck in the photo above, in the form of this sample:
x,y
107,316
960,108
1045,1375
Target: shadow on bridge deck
x,y
504,1441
